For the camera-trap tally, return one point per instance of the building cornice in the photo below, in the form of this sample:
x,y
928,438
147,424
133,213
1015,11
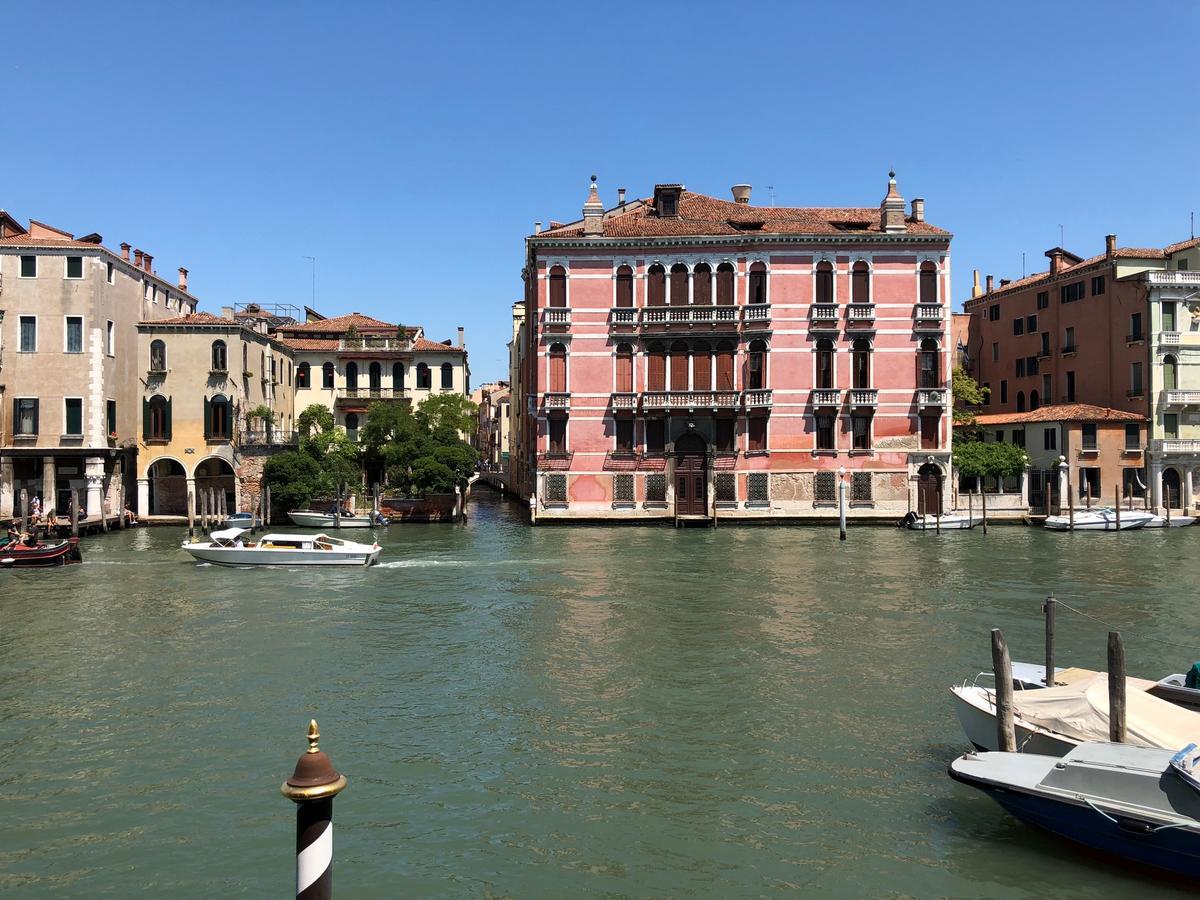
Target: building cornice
x,y
739,240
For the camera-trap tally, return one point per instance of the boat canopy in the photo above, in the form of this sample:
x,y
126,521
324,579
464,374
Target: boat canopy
x,y
228,534
1080,711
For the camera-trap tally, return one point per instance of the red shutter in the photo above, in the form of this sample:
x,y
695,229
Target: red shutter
x,y
679,369
656,288
558,371
702,286
656,379
558,286
702,370
725,285
625,372
679,286
624,287
725,370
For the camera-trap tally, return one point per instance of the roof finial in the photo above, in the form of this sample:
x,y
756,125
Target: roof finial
x,y
593,179
314,735
892,173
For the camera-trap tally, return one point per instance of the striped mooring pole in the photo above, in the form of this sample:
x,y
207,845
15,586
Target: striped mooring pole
x,y
312,788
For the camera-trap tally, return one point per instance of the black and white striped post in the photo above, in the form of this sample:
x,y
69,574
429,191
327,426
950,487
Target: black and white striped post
x,y
312,788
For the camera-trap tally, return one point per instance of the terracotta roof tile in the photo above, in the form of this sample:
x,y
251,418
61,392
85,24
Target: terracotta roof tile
x,y
1061,412
339,324
200,318
300,342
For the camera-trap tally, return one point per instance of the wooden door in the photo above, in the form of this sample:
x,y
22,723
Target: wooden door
x,y
691,486
928,481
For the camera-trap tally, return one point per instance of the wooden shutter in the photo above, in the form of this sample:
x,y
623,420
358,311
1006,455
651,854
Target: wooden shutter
x,y
36,406
860,287
558,372
145,419
167,419
702,370
16,419
656,288
679,369
625,372
724,285
558,287
702,287
624,287
725,370
656,379
679,286
207,418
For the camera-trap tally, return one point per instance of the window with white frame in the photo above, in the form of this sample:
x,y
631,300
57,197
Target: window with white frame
x,y
73,336
74,267
28,336
110,339
29,266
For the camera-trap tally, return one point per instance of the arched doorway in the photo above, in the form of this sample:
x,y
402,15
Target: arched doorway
x,y
167,481
691,475
929,484
217,474
1172,495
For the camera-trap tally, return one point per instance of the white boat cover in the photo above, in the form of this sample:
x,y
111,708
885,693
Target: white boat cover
x,y
229,534
1080,711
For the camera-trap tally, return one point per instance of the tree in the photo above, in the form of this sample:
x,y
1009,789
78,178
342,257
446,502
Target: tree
x,y
968,396
314,416
976,459
453,411
262,411
294,478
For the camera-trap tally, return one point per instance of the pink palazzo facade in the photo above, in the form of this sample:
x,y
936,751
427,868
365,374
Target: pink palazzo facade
x,y
692,358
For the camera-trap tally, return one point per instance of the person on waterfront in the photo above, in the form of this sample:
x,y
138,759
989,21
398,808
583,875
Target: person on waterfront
x,y
130,518
35,510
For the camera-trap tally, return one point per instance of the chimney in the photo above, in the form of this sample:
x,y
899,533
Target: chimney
x,y
1110,246
461,343
137,258
976,290
537,227
918,209
1056,260
1004,281
182,278
593,213
741,193
620,196
146,260
125,252
989,284
891,210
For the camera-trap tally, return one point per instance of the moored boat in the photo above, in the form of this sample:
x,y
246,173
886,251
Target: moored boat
x,y
1118,799
311,518
42,554
952,522
229,548
1173,522
1100,518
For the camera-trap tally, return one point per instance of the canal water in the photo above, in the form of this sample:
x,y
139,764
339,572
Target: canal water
x,y
553,712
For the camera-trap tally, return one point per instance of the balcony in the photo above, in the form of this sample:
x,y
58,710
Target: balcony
x,y
860,315
864,398
1169,339
689,400
269,437
929,317
370,393
1179,399
622,318
932,399
683,319
756,316
826,398
556,401
1070,349
1167,279
823,317
1137,338
758,398
373,343
1175,445
556,318
624,401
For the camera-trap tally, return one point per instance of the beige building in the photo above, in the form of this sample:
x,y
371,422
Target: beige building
x,y
70,370
217,400
348,362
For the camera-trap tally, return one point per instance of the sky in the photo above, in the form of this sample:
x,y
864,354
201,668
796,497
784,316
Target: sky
x,y
410,148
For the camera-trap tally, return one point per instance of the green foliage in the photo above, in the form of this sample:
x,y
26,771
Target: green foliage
x,y
976,459
262,411
448,411
421,452
314,416
968,396
294,478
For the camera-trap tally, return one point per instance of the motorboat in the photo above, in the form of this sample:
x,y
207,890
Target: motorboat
x,y
1121,800
229,548
239,520
311,518
40,554
1054,720
952,522
1100,518
1180,688
1164,522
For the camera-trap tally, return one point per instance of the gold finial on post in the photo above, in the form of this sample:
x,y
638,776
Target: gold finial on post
x,y
314,735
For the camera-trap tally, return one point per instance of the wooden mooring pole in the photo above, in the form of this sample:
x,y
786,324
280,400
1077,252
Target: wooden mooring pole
x,y
266,520
1049,608
1117,508
1116,688
312,787
24,510
1070,507
191,511
841,508
74,512
1087,492
983,502
1006,736
937,519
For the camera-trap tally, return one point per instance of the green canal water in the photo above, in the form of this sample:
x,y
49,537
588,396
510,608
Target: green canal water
x,y
552,712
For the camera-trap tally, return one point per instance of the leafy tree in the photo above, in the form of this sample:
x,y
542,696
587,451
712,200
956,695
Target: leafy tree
x,y
314,416
421,452
977,459
968,396
294,478
453,411
428,476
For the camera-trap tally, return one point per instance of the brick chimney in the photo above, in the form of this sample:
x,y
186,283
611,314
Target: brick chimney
x,y
146,260
620,196
137,258
918,209
1056,260
461,340
125,252
741,193
593,212
891,210
182,278
1005,281
989,284
1110,246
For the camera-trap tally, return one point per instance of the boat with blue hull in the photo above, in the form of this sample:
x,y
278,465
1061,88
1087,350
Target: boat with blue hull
x,y
1117,799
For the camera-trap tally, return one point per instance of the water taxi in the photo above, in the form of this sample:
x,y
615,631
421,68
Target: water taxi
x,y
229,548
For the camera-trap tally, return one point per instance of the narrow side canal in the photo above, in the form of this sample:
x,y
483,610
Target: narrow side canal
x,y
553,712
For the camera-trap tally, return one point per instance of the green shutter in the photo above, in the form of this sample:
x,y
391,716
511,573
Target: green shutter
x,y
167,419
16,419
145,419
36,430
207,418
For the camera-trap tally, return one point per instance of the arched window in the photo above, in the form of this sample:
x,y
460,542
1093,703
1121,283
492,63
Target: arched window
x,y
327,374
375,377
558,286
679,366
656,286
352,426
702,366
218,421
824,292
725,276
447,376
861,363
756,366
219,361
1020,401
158,356
702,285
424,380
1170,372
558,368
302,373
928,366
397,377
824,363
624,297
273,370
725,354
928,283
679,285
624,373
289,368
1034,401
656,367
758,283
352,376
157,424
860,283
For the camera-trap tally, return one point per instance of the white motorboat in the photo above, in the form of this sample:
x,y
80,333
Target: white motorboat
x,y
1173,522
309,518
229,548
1100,518
951,522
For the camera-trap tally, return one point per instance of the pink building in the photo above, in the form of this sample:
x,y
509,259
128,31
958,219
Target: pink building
x,y
692,357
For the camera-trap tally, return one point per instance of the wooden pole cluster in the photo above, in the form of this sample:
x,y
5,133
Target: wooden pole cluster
x,y
1006,736
1049,608
1116,688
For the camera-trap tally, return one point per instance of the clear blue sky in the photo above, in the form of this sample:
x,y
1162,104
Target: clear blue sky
x,y
411,148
